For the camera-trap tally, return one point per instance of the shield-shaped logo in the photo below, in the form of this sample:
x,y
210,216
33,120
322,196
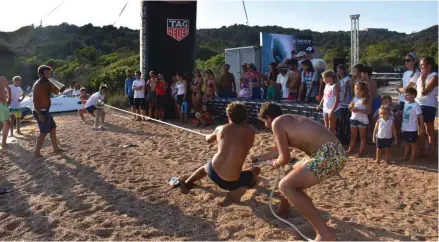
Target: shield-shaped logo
x,y
178,28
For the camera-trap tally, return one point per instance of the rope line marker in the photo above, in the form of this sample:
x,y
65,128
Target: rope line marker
x,y
266,163
156,120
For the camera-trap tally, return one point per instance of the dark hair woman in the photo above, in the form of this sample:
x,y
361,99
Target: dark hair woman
x,y
196,85
181,86
310,82
255,80
426,86
211,87
410,77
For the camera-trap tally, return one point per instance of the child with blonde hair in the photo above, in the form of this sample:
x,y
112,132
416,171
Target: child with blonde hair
x,y
384,134
330,101
361,107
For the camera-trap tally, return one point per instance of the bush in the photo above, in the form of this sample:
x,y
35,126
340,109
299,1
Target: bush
x,y
118,101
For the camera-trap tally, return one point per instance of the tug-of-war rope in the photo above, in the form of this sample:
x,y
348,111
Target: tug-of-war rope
x,y
267,163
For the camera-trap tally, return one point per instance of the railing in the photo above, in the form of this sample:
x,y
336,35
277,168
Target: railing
x,y
387,76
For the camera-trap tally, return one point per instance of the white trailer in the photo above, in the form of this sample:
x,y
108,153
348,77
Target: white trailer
x,y
235,57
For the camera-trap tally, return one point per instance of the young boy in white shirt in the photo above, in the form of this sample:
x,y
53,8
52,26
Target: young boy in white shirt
x,y
17,95
139,95
94,108
411,118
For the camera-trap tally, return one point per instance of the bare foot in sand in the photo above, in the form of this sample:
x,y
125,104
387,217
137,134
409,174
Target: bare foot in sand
x,y
38,155
58,151
19,132
326,237
349,152
329,236
404,158
185,188
359,155
232,197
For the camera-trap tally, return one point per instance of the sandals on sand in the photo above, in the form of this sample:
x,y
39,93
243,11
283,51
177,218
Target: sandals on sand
x,y
129,145
174,182
4,191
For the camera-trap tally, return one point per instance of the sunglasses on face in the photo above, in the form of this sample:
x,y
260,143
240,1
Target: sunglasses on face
x,y
407,60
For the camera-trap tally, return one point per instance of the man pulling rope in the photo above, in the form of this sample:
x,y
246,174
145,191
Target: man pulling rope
x,y
234,142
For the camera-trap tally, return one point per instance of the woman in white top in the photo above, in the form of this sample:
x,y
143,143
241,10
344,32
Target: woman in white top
x,y
330,101
409,78
76,90
345,84
181,86
360,107
427,99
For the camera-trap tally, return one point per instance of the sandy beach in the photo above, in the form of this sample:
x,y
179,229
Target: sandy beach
x,y
99,190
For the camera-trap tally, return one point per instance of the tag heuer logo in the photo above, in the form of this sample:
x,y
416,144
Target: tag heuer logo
x,y
178,28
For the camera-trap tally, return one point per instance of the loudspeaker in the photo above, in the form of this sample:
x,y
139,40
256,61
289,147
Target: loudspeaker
x,y
167,37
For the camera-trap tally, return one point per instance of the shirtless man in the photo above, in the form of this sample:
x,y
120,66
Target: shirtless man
x,y
366,75
4,108
326,158
150,97
235,140
41,97
356,77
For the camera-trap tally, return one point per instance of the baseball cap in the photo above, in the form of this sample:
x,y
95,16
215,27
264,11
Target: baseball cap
x,y
301,54
310,50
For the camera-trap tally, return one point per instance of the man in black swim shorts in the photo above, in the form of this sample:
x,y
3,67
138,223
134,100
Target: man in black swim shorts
x,y
235,140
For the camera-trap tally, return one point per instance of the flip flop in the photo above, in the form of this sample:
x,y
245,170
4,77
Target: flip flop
x,y
174,182
4,191
129,145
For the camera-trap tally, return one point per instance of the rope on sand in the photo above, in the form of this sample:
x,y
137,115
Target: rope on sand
x,y
273,187
156,120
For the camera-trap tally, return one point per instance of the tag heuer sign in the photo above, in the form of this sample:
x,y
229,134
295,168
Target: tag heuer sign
x,y
178,28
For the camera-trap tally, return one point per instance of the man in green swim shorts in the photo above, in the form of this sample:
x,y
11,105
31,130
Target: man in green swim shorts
x,y
326,158
4,108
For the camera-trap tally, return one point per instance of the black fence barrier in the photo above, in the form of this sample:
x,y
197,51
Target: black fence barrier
x,y
218,109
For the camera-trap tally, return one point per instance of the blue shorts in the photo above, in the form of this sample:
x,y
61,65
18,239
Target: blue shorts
x,y
376,104
358,124
409,136
244,180
429,113
384,143
226,93
256,93
91,109
48,124
401,106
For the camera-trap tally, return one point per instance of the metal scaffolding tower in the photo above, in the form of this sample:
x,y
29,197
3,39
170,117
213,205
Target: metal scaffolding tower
x,y
355,27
